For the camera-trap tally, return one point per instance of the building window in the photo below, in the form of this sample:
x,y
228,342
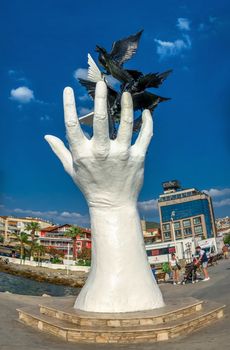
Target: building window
x,y
177,224
198,229
187,231
178,233
186,223
197,220
167,235
166,227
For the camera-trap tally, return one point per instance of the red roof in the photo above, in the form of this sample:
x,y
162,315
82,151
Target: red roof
x,y
152,229
53,228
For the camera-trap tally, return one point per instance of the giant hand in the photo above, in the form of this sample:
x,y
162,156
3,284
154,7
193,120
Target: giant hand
x,y
110,175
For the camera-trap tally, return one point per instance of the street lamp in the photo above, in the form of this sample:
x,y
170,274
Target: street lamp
x,y
68,252
173,230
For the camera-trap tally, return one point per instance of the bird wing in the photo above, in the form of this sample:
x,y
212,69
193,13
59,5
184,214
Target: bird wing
x,y
124,49
89,85
165,75
87,119
152,80
137,123
135,74
94,73
147,100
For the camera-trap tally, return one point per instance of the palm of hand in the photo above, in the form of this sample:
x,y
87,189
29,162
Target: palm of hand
x,y
108,172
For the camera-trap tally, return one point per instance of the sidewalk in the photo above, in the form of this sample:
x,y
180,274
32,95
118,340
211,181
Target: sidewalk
x,y
14,335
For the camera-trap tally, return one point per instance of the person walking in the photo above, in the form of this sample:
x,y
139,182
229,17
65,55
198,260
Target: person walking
x,y
153,268
203,261
225,251
174,267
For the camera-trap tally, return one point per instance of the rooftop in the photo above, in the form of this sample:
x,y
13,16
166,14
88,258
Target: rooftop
x,y
6,217
183,193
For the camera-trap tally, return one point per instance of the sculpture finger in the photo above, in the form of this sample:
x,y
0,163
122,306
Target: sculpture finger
x,y
61,152
100,120
74,132
146,132
125,130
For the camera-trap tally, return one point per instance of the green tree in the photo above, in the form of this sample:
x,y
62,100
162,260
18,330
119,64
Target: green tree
x,y
1,239
85,254
55,253
22,238
39,250
33,227
227,239
73,232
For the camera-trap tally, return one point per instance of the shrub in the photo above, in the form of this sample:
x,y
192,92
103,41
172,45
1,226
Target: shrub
x,y
82,262
56,261
227,239
165,267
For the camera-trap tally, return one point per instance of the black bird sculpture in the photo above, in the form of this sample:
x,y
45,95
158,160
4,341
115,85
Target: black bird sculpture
x,y
140,82
122,51
141,100
132,81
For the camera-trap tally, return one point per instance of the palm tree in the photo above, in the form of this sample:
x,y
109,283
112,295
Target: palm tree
x,y
33,227
22,238
74,232
40,250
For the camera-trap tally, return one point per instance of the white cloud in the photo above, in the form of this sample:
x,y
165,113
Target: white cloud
x,y
221,203
83,74
217,194
35,213
84,111
183,23
150,205
54,216
22,94
209,24
84,98
214,192
67,214
172,48
80,73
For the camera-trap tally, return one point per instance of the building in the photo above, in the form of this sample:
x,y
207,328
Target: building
x,y
55,237
185,213
151,232
186,220
10,225
223,226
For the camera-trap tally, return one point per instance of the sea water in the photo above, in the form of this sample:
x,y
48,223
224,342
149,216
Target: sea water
x,y
22,285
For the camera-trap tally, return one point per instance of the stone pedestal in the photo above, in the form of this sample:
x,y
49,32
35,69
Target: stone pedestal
x,y
179,317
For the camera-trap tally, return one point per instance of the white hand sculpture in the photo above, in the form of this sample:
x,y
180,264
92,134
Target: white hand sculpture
x,y
110,174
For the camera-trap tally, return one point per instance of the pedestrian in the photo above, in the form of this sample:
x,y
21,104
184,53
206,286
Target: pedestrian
x,y
225,251
174,267
153,268
203,261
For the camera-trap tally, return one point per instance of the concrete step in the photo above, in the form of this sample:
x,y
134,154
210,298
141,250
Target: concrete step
x,y
174,309
66,330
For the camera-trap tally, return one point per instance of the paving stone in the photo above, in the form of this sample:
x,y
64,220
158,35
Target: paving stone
x,y
77,327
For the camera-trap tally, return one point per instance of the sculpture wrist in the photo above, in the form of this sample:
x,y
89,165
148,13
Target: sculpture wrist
x,y
107,215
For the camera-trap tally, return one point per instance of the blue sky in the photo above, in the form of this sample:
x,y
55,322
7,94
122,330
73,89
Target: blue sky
x,y
44,47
